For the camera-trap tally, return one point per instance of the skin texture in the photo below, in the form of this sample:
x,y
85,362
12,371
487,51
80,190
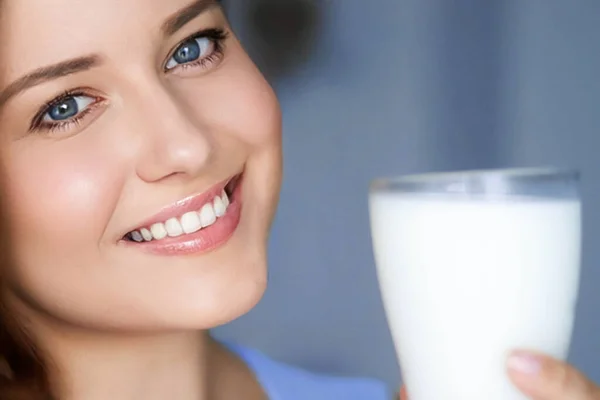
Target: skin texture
x,y
153,137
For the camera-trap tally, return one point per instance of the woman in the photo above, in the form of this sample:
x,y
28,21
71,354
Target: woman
x,y
142,152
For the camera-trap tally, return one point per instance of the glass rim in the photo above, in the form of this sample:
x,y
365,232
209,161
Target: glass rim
x,y
533,173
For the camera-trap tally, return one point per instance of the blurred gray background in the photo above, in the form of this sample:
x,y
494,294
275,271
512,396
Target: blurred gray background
x,y
385,87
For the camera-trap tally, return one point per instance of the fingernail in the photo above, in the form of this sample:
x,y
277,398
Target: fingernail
x,y
524,363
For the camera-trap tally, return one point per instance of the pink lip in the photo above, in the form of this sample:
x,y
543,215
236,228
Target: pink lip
x,y
204,240
192,203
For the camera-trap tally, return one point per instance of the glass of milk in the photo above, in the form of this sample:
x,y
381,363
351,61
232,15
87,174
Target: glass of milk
x,y
472,265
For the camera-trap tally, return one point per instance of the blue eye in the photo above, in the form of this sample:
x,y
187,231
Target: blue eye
x,y
190,51
67,108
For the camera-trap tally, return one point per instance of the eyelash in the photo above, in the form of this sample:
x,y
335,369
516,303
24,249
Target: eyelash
x,y
39,124
216,36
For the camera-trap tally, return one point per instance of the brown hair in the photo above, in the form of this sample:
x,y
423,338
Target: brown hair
x,y
23,374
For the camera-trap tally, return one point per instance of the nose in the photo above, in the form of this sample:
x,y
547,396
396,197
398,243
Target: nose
x,y
173,141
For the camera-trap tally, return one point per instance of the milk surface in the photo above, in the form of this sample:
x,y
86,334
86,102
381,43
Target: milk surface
x,y
464,281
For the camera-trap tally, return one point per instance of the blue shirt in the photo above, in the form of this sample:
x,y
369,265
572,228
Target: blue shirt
x,y
284,382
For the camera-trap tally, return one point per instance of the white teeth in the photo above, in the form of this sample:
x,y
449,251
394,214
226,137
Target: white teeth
x,y
219,206
136,236
225,199
173,227
159,231
146,234
207,215
190,222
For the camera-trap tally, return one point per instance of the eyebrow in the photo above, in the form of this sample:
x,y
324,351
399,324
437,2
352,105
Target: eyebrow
x,y
49,73
173,24
178,20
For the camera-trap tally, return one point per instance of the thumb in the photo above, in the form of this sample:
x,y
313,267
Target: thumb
x,y
403,393
544,378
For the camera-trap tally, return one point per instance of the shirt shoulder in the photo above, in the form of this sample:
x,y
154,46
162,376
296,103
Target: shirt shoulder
x,y
285,382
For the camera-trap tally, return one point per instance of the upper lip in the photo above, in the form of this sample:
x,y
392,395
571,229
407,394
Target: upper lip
x,y
191,203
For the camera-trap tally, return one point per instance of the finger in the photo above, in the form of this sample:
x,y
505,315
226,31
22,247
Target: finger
x,y
544,378
403,393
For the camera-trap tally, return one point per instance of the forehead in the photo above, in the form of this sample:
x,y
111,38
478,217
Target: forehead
x,y
34,32
36,16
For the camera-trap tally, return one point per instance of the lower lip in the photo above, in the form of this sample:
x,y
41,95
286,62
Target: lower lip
x,y
205,240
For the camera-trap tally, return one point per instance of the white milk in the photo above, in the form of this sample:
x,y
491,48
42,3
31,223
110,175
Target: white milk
x,y
466,281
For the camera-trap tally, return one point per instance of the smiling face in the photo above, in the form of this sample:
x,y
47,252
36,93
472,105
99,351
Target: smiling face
x,y
143,157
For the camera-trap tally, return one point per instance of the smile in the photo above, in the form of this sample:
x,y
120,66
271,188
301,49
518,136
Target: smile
x,y
198,223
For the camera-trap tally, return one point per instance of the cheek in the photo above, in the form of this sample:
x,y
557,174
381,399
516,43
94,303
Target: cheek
x,y
254,118
237,100
254,114
61,195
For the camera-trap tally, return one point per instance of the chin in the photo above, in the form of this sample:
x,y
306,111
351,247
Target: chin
x,y
230,307
233,299
240,307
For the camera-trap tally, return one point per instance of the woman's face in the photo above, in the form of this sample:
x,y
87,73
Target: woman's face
x,y
127,127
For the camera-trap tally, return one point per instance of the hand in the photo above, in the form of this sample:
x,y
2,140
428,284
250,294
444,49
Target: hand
x,y
403,394
543,378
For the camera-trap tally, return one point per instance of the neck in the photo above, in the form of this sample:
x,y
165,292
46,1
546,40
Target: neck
x,y
93,365
100,365
174,366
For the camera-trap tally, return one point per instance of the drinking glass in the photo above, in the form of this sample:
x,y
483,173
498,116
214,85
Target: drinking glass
x,y
472,265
